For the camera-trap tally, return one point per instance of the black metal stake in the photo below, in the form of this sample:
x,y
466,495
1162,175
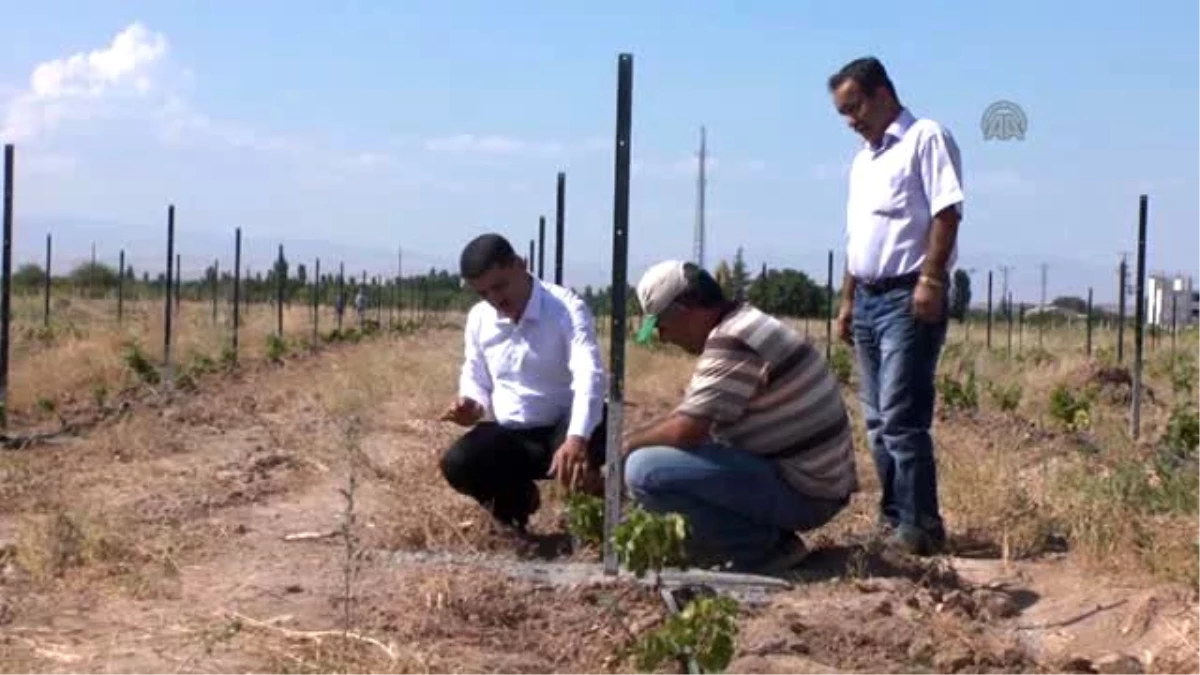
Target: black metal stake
x,y
541,252
279,281
560,225
170,275
989,312
237,289
1089,323
317,305
616,387
216,287
6,294
121,288
1009,316
1139,316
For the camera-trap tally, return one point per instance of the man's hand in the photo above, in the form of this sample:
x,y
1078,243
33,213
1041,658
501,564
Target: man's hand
x,y
463,412
845,323
928,301
569,465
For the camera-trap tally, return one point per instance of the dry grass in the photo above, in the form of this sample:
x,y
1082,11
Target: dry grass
x,y
193,483
85,356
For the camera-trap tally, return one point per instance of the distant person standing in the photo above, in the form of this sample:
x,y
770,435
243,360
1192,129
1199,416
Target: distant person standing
x,y
339,306
904,208
360,304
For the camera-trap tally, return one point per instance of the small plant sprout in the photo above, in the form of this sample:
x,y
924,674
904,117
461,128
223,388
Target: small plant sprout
x,y
1074,412
704,632
960,396
585,518
650,542
276,348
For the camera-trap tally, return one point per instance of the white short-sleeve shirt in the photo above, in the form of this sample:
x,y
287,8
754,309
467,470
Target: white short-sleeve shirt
x,y
895,190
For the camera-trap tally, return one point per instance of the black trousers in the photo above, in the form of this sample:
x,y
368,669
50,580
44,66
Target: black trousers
x,y
498,466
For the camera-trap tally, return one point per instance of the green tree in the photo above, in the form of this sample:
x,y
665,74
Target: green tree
x,y
724,278
960,294
739,278
787,292
96,277
1075,304
29,275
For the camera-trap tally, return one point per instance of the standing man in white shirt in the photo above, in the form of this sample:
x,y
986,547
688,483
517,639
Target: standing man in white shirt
x,y
905,205
531,387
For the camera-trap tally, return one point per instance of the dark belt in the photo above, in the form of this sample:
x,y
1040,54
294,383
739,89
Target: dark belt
x,y
890,283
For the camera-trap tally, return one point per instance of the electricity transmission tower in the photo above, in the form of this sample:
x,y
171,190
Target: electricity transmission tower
x,y
1004,299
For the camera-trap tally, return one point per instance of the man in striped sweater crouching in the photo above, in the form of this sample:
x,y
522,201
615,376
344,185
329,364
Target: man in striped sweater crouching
x,y
760,448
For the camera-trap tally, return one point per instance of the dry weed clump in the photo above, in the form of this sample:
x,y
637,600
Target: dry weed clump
x,y
70,547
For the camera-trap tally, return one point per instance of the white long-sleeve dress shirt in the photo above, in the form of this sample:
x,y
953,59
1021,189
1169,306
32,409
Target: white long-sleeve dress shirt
x,y
540,370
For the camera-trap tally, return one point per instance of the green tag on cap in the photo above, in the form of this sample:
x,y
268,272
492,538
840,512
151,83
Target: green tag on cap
x,y
649,325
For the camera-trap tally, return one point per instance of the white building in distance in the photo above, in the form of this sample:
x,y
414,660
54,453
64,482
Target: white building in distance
x,y
1171,301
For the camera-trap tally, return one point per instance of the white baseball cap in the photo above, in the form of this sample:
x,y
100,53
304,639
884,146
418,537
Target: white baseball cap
x,y
658,288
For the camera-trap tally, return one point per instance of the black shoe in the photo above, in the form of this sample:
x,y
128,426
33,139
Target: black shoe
x,y
915,542
517,517
787,555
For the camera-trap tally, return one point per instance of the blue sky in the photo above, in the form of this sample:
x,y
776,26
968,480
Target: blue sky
x,y
349,132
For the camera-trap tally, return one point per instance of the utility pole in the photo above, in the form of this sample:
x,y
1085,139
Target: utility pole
x,y
701,186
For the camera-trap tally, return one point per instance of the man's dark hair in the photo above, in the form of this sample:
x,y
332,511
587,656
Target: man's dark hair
x,y
483,253
868,72
703,291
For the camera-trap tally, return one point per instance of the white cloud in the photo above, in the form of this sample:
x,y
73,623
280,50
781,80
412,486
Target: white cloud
x,y
80,86
493,145
750,166
180,125
49,164
831,171
999,182
132,79
689,167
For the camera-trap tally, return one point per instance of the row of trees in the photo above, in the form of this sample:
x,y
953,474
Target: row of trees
x,y
435,288
785,291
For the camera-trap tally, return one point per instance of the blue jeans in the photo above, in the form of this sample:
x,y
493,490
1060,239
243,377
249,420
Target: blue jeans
x,y
897,356
738,506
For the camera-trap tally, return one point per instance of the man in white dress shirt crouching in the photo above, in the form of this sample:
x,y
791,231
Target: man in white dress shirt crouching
x,y
531,387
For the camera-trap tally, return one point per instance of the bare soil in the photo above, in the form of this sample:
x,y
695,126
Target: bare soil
x,y
157,542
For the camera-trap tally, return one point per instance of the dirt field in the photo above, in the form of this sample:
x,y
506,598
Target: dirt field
x,y
156,540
